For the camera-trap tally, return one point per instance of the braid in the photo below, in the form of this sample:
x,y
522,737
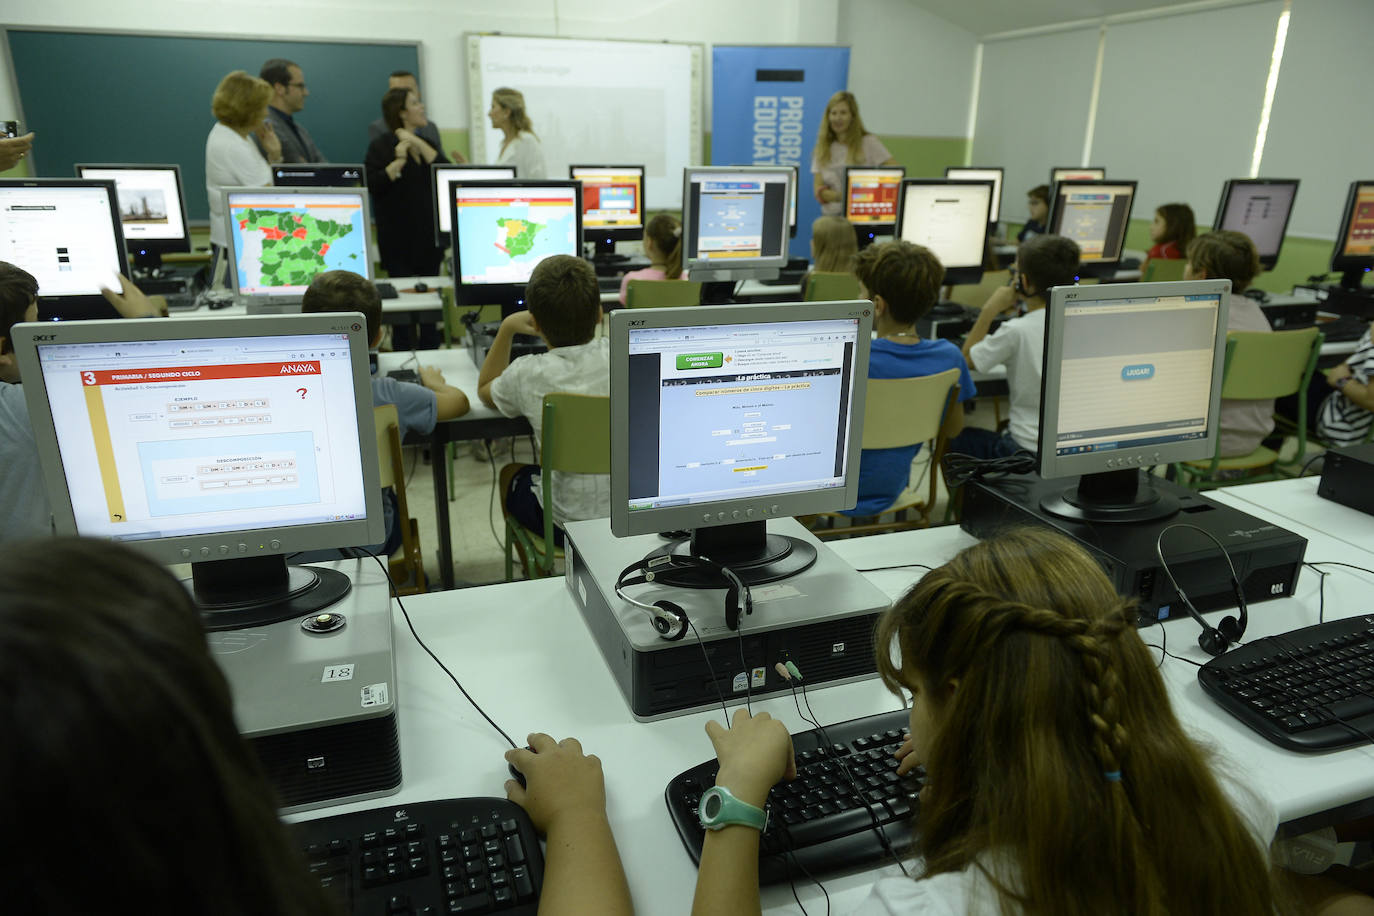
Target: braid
x,y
998,616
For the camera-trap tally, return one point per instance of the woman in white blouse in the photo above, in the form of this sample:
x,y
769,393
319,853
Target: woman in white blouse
x,y
232,159
843,141
520,147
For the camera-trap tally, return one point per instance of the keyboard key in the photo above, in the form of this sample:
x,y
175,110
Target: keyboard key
x,y
463,906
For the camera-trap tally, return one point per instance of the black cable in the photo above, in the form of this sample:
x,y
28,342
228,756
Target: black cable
x,y
812,878
1321,591
491,499
960,468
406,614
787,869
714,683
844,768
1309,462
898,566
748,675
1346,565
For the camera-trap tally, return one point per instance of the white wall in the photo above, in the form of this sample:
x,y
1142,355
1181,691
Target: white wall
x,y
911,70
1032,104
1320,130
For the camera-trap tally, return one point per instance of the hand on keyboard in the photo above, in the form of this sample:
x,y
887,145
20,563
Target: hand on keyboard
x,y
755,754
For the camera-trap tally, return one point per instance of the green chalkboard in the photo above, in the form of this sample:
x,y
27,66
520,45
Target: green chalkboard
x,y
130,97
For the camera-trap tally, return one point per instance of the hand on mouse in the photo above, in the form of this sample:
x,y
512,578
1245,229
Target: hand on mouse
x,y
561,783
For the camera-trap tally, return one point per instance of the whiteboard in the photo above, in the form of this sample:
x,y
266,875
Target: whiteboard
x,y
595,103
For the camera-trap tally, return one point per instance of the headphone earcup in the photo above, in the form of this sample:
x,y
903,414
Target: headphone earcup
x,y
1213,641
1230,629
671,624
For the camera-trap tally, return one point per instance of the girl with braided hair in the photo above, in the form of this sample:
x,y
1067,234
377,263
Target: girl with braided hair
x,y
1059,780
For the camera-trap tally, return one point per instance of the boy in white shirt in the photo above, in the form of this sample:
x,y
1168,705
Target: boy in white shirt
x,y
564,309
1043,262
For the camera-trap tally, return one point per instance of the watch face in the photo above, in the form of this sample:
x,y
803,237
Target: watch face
x,y
711,806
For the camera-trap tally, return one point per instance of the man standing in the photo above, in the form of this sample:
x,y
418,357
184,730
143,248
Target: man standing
x,y
404,79
288,97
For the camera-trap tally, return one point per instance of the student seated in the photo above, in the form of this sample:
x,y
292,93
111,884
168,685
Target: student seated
x,y
1227,255
903,280
564,309
418,407
1038,203
1042,262
24,510
834,246
1172,231
663,248
1340,400
121,749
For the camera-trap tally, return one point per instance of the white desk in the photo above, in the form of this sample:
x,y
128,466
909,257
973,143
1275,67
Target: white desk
x,y
522,651
406,307
749,291
1296,501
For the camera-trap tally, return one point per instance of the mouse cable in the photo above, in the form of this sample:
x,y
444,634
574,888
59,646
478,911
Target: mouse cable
x,y
1321,591
428,651
898,566
788,860
748,675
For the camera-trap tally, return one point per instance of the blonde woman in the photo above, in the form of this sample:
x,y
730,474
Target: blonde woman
x,y
843,141
232,159
520,146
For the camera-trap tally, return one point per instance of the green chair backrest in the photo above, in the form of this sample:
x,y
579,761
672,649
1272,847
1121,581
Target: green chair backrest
x,y
905,411
1269,364
576,438
1162,269
659,294
830,287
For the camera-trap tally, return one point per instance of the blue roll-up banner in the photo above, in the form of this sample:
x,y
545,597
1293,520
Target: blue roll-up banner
x,y
766,109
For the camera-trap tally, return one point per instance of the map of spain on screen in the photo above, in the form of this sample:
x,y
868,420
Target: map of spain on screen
x,y
502,240
288,246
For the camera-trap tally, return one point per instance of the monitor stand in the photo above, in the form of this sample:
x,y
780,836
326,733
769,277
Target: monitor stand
x,y
717,292
746,548
146,265
605,256
1124,496
256,591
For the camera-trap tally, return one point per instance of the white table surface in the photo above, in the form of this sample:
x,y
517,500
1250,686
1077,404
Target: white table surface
x,y
523,652
406,301
1297,501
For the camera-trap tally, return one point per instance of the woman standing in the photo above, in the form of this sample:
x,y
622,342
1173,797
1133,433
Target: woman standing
x,y
397,166
231,158
520,146
843,141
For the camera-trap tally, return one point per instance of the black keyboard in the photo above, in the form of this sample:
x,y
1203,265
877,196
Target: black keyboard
x,y
455,856
1343,328
820,817
1296,688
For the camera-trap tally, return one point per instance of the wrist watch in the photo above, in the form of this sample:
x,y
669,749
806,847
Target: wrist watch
x,y
720,809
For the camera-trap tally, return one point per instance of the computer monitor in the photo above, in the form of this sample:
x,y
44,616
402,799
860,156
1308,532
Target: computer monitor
x,y
502,229
1069,173
152,211
1258,207
612,205
1131,380
1096,215
792,207
734,221
319,175
982,174
280,239
1353,255
870,200
67,233
723,417
950,216
442,175
226,443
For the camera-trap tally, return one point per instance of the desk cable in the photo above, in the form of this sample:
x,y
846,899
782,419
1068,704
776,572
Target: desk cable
x,y
359,553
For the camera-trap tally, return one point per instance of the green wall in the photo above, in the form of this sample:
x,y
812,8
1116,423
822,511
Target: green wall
x,y
927,157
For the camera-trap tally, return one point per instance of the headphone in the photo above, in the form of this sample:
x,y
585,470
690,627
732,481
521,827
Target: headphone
x,y
669,619
1213,640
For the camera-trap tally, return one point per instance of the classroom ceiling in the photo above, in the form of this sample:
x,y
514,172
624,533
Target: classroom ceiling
x,y
989,17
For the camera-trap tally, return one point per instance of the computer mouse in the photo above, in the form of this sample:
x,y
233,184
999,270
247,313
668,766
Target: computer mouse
x,y
516,774
421,287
